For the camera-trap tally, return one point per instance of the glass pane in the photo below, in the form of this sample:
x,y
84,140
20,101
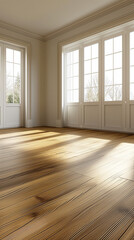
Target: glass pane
x,y
117,92
95,80
9,97
95,94
132,57
69,83
118,60
95,50
132,40
87,66
118,44
9,83
94,65
75,96
69,96
109,62
17,70
131,91
16,96
9,89
69,71
109,77
108,46
118,76
75,56
87,53
91,94
17,84
109,93
75,69
87,81
9,69
17,56
9,55
68,58
132,74
75,83
88,95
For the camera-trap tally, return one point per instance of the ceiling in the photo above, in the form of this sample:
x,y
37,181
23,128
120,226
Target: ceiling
x,y
46,16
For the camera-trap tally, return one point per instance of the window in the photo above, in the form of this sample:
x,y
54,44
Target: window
x,y
113,69
72,76
132,66
91,83
13,76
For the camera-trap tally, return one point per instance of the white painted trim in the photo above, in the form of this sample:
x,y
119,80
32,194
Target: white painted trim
x,y
124,31
80,22
92,36
19,30
94,16
28,124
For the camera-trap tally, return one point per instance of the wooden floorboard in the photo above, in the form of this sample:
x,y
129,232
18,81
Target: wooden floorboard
x,y
63,183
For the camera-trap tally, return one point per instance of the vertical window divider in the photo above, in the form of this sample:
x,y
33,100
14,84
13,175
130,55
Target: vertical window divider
x,y
4,82
65,88
125,67
113,71
126,78
13,76
81,83
102,81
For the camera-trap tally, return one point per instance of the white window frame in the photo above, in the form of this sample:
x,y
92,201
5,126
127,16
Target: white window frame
x,y
65,75
90,43
110,36
22,75
123,30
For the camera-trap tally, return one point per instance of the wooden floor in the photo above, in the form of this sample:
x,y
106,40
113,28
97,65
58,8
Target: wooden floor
x,y
66,184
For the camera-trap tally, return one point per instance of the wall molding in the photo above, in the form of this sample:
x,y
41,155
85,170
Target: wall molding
x,y
78,23
21,31
89,18
99,29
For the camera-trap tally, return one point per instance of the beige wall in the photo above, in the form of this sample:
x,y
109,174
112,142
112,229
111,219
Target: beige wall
x,y
51,84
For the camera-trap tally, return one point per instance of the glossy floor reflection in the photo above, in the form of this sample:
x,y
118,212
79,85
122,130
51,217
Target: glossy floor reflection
x,y
66,184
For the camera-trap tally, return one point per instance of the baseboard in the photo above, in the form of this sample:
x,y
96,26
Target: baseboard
x,y
59,123
29,124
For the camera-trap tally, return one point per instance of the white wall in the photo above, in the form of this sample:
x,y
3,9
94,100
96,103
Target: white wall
x,y
51,84
37,73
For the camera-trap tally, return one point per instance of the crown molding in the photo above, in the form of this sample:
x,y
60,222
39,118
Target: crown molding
x,y
89,18
127,20
21,31
80,22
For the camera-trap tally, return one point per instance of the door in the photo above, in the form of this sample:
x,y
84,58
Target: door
x,y
72,85
114,97
130,83
82,87
12,87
